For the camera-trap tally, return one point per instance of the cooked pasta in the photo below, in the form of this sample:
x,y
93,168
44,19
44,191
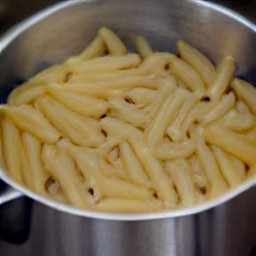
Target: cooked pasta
x,y
114,131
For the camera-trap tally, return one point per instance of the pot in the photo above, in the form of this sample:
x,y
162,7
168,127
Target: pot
x,y
224,226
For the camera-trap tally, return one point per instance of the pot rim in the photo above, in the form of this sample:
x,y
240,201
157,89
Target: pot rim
x,y
17,30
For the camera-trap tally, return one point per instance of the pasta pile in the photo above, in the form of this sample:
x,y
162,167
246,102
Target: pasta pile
x,y
114,131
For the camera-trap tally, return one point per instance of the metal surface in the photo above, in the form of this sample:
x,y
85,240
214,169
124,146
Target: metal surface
x,y
64,30
228,230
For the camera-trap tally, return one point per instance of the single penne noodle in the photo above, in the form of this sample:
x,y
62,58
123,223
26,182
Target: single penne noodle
x,y
239,118
197,60
59,164
26,93
183,181
100,88
226,167
187,75
222,79
53,74
114,44
81,130
245,92
94,49
199,177
12,148
218,109
216,182
175,131
26,170
251,133
141,95
105,76
132,165
237,144
162,94
136,117
34,173
172,150
128,206
102,64
84,105
29,119
142,46
159,123
152,166
238,165
113,187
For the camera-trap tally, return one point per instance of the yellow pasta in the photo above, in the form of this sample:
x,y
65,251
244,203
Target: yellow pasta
x,y
246,92
114,131
182,180
81,130
187,75
197,60
209,164
234,143
222,79
156,128
34,174
82,104
114,44
12,148
29,119
61,166
95,49
143,46
133,166
26,94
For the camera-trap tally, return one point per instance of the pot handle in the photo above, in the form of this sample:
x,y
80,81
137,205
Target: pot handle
x,y
9,194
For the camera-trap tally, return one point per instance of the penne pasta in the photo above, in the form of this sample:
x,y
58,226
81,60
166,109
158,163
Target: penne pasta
x,y
222,79
127,206
169,150
142,46
197,60
133,166
29,119
182,180
152,166
26,93
156,128
82,104
245,92
187,75
237,144
206,158
114,131
34,173
94,49
114,44
218,109
61,166
226,166
12,148
81,130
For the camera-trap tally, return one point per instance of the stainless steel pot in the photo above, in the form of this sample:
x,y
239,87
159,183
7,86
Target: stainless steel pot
x,y
225,226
